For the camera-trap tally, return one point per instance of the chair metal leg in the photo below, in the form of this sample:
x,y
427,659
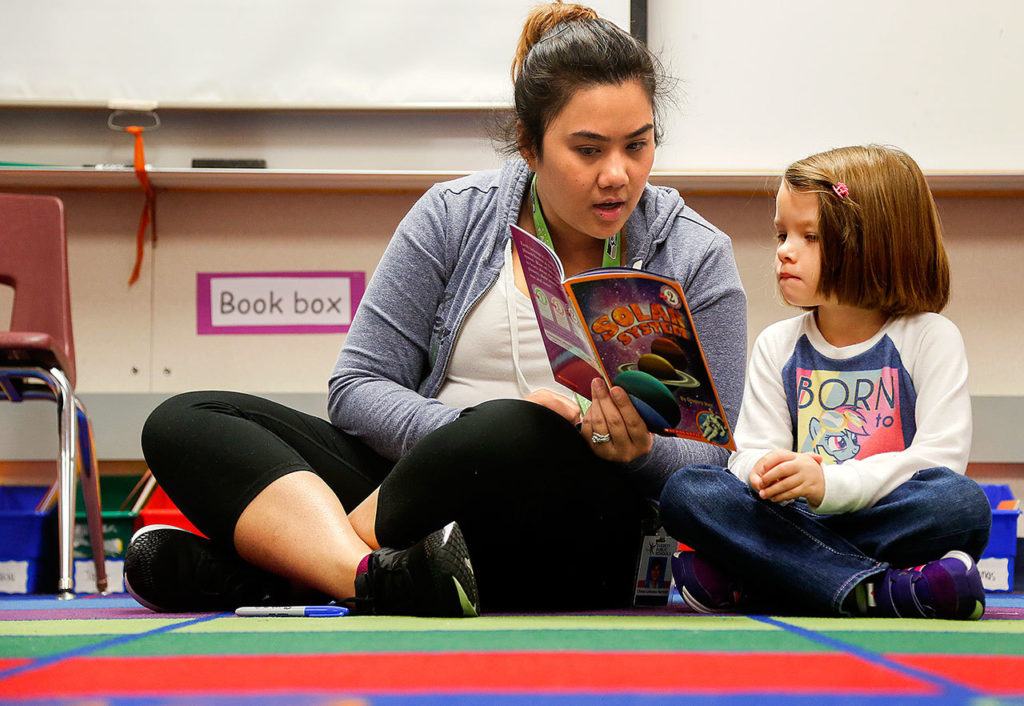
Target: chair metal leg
x,y
72,439
90,478
66,419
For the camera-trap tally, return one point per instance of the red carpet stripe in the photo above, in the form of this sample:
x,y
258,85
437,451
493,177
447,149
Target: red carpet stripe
x,y
1001,675
565,672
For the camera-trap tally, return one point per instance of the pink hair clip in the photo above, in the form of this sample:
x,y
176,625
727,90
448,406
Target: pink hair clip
x,y
842,191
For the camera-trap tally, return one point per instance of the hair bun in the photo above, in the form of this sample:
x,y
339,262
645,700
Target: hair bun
x,y
542,19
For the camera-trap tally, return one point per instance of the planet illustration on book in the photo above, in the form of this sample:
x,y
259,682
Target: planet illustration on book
x,y
653,401
659,368
670,351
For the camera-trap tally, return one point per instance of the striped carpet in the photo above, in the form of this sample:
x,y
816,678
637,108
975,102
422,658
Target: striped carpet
x,y
109,650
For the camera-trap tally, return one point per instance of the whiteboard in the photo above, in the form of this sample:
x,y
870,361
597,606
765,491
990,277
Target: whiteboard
x,y
330,54
765,83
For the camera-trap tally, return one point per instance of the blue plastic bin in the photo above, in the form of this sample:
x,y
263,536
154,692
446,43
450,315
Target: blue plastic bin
x,y
27,547
997,561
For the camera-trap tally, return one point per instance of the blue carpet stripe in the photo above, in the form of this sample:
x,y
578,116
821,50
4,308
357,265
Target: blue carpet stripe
x,y
950,688
1004,600
88,649
83,603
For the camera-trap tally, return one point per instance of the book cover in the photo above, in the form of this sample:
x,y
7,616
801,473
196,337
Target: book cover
x,y
632,328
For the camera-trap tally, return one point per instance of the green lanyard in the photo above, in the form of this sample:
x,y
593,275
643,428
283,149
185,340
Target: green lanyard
x,y
611,257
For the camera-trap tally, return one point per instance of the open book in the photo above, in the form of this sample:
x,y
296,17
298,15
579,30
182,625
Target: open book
x,y
631,328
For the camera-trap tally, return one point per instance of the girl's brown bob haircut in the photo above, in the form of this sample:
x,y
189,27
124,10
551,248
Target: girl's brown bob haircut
x,y
881,243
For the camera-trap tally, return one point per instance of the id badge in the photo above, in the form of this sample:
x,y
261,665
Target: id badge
x,y
654,572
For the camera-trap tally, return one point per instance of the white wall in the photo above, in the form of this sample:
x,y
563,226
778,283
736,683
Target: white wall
x,y
135,345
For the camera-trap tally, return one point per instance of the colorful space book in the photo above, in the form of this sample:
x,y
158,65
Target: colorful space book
x,y
632,328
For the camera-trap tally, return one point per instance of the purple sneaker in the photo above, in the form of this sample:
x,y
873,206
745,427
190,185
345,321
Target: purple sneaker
x,y
948,588
703,586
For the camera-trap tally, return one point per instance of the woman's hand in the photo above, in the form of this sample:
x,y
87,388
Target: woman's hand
x,y
559,404
613,414
783,475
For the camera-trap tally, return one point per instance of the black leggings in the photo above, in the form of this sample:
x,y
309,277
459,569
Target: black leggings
x,y
549,525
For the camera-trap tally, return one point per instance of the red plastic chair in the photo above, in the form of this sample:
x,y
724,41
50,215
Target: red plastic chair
x,y
37,358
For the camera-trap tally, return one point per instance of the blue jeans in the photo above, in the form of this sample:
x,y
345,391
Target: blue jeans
x,y
794,561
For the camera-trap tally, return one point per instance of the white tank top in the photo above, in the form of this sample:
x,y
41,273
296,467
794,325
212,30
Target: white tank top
x,y
499,353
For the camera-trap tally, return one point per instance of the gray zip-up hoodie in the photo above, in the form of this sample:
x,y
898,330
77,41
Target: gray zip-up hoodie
x,y
448,251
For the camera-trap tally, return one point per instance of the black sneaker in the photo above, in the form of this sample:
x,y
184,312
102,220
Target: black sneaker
x,y
168,569
432,578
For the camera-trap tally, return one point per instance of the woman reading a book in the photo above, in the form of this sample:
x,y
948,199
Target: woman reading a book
x,y
449,437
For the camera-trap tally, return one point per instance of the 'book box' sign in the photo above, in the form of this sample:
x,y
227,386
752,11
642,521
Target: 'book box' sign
x,y
277,302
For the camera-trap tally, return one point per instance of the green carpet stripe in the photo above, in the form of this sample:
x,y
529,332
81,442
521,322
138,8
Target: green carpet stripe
x,y
484,624
46,645
933,643
84,627
179,643
1011,627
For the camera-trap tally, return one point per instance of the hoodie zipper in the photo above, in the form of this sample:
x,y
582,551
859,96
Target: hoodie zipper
x,y
458,329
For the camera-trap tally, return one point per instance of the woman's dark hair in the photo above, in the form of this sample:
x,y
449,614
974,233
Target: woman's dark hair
x,y
566,47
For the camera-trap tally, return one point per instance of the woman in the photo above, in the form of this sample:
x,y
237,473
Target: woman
x,y
442,402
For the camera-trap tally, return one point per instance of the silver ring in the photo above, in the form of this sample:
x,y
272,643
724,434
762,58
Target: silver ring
x,y
600,438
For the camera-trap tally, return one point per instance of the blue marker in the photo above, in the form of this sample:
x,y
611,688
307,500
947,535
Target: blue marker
x,y
293,611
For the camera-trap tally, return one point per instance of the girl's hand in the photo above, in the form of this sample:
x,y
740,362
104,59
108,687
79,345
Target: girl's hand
x,y
613,414
559,404
768,461
783,475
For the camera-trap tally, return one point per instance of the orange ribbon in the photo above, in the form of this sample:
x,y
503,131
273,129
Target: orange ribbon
x,y
148,209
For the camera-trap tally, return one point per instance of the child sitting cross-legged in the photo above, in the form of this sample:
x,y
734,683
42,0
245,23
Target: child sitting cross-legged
x,y
847,493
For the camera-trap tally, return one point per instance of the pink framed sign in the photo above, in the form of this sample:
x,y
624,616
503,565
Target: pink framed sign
x,y
277,302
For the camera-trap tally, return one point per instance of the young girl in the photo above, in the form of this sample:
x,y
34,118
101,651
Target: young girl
x,y
855,427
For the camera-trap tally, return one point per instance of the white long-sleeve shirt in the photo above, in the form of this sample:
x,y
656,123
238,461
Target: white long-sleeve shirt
x,y
877,412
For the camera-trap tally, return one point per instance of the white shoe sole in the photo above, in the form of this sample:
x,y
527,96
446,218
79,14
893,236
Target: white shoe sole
x,y
127,586
696,605
965,558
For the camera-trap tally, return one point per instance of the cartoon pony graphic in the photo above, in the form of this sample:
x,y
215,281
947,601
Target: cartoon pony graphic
x,y
835,434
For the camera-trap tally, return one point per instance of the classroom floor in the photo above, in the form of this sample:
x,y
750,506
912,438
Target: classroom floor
x,y
109,650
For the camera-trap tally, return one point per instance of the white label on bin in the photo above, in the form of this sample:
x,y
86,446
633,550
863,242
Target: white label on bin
x,y
85,576
13,577
995,573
